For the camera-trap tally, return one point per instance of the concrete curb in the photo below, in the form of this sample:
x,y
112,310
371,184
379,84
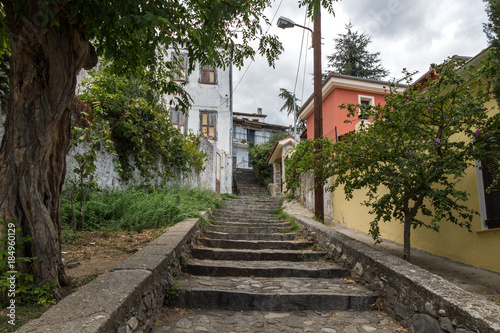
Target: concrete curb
x,y
128,298
418,299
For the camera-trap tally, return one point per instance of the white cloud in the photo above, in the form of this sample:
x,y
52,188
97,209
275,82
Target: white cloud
x,y
408,34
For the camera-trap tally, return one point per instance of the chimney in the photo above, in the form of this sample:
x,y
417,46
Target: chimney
x,y
259,110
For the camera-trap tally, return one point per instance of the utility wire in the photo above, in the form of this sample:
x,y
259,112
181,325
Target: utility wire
x,y
300,56
305,65
272,20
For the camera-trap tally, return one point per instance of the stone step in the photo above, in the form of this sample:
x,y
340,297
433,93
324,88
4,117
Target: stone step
x,y
244,215
273,294
269,202
255,255
247,236
254,244
220,220
241,230
254,201
249,188
245,211
311,269
250,208
246,224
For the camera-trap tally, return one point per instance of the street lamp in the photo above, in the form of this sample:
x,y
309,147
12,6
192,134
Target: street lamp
x,y
284,23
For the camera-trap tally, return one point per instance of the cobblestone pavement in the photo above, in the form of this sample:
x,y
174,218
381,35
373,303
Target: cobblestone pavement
x,y
220,321
281,285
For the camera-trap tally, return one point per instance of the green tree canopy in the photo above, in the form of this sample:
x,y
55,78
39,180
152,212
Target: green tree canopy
x,y
260,153
351,56
51,41
492,30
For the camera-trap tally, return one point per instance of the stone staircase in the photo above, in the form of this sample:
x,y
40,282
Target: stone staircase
x,y
246,183
247,261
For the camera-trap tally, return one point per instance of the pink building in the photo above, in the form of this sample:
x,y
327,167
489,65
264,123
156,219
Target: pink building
x,y
340,89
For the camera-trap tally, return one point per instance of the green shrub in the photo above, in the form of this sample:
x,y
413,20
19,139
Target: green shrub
x,y
136,209
260,153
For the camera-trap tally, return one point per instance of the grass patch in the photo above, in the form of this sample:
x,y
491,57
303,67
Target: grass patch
x,y
24,313
117,224
138,209
226,196
282,215
317,219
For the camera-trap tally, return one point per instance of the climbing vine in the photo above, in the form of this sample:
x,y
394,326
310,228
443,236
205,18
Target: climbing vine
x,y
140,129
304,158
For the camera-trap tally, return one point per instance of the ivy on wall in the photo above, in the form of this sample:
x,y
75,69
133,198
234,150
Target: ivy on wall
x,y
140,130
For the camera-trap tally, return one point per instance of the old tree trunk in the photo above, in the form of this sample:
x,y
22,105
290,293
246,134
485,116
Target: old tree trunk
x,y
44,63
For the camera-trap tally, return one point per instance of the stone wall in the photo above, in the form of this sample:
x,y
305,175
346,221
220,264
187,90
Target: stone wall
x,y
130,297
108,178
306,194
421,301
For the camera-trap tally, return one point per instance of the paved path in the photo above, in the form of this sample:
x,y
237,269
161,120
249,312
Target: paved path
x,y
478,281
250,274
221,321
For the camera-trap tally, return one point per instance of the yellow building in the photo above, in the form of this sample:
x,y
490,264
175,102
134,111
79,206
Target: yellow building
x,y
480,247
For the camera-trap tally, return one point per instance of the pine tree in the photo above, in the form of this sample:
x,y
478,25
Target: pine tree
x,y
352,58
492,30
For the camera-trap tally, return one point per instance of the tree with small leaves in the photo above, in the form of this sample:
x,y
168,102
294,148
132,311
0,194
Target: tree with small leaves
x,y
351,56
416,150
50,41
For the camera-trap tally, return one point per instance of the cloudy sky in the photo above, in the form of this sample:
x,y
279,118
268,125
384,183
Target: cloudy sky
x,y
408,34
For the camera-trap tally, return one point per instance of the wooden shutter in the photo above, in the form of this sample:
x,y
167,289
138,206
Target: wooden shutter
x,y
184,64
492,199
212,120
207,75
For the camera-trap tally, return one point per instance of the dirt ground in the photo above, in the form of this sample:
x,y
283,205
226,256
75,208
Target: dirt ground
x,y
90,254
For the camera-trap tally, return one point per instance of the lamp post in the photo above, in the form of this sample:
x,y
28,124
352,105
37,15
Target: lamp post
x,y
284,23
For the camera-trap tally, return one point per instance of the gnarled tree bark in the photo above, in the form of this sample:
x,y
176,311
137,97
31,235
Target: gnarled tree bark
x,y
44,64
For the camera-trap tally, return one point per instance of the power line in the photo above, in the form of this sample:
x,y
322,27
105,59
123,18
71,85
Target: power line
x,y
300,55
272,20
305,65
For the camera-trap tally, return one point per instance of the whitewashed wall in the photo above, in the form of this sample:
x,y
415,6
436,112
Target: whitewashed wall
x,y
216,98
108,178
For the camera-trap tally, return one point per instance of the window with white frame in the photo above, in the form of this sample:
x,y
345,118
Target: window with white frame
x,y
181,60
365,101
489,202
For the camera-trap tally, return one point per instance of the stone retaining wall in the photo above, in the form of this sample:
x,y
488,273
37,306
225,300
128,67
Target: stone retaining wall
x,y
421,301
128,298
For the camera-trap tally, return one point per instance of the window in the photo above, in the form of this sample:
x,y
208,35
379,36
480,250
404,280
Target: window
x,y
365,101
239,134
182,61
490,212
179,120
208,75
251,135
208,120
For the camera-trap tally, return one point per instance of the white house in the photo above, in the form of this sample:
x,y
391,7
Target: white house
x,y
250,127
210,115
